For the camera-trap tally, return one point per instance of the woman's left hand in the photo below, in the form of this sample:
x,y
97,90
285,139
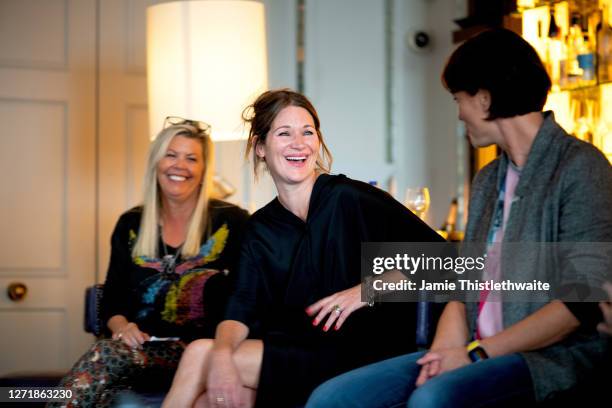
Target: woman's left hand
x,y
338,306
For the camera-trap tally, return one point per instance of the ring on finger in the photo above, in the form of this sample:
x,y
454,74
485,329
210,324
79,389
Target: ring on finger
x,y
337,309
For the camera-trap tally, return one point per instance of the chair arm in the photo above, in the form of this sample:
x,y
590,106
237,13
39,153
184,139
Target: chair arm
x,y
92,322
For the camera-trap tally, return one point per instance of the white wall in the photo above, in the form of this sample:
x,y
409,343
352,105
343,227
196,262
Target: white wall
x,y
346,76
429,135
442,139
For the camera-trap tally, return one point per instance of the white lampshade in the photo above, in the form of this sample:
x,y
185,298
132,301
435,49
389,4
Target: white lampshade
x,y
206,60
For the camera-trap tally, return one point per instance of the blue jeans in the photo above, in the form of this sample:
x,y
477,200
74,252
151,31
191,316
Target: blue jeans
x,y
391,383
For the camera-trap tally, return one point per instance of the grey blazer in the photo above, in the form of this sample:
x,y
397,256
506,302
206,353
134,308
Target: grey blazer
x,y
564,195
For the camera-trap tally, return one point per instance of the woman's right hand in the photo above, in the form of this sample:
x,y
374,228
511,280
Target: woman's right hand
x,y
434,363
225,388
131,335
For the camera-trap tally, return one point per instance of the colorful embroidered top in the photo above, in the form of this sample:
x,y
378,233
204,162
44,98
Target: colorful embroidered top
x,y
169,295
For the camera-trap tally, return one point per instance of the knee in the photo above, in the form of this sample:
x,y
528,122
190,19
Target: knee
x,y
104,359
429,397
328,395
107,350
197,349
105,344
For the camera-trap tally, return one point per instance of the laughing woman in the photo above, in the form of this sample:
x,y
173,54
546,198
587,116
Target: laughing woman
x,y
169,269
298,284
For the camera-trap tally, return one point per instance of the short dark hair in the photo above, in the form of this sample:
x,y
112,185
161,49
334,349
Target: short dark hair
x,y
261,113
503,63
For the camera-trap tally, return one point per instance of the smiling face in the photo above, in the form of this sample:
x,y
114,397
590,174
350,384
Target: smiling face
x,y
181,170
291,146
473,111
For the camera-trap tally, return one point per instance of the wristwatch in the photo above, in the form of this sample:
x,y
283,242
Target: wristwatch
x,y
476,352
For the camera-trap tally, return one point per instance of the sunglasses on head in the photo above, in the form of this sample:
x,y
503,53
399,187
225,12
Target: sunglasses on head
x,y
202,127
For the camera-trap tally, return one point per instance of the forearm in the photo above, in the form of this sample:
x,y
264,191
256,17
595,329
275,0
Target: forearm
x,y
229,335
549,325
452,330
116,323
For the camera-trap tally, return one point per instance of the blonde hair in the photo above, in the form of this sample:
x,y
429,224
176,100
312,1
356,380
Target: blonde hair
x,y
261,113
148,235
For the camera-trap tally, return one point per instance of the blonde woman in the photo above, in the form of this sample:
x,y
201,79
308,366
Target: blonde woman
x,y
170,269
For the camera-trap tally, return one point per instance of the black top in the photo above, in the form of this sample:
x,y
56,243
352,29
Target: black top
x,y
188,302
287,264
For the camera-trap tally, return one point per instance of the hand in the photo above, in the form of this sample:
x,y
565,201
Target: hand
x,y
428,370
440,361
606,308
225,388
338,306
131,335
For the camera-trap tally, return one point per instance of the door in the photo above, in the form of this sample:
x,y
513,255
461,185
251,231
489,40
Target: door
x,y
47,179
124,133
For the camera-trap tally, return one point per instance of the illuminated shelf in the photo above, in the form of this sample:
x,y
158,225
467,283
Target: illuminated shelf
x,y
524,5
581,87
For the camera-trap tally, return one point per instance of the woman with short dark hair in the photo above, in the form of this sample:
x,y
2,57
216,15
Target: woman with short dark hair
x,y
509,69
545,187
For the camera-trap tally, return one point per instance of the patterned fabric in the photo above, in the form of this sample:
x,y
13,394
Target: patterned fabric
x,y
209,252
162,301
178,295
162,294
110,366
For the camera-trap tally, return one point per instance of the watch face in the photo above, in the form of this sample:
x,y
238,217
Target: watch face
x,y
478,354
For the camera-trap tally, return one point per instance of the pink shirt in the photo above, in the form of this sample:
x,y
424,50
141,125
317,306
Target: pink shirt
x,y
490,318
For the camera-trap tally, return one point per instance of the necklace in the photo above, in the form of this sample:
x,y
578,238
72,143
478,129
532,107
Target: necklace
x,y
169,260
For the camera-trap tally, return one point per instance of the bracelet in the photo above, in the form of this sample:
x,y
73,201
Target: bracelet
x,y
476,352
370,292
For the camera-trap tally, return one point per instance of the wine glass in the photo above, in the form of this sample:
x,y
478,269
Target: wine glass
x,y
417,200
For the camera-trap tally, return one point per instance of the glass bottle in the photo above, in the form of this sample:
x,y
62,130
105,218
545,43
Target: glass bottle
x,y
586,61
575,41
555,57
582,114
448,228
604,46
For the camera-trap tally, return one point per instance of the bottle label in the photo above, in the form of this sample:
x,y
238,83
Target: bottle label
x,y
586,61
